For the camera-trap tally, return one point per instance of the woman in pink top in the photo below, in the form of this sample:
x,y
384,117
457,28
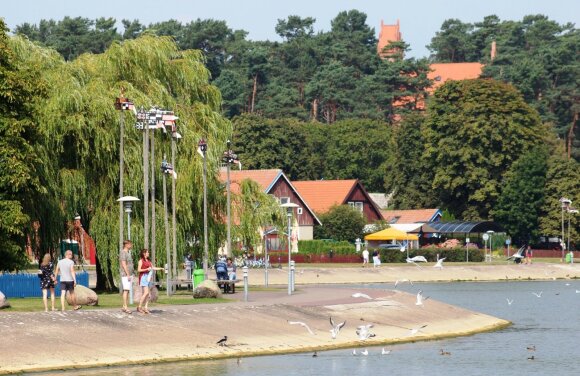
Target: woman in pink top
x,y
146,271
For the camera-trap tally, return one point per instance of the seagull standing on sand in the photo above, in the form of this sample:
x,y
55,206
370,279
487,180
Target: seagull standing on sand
x,y
361,295
222,342
303,324
439,263
336,327
416,330
420,298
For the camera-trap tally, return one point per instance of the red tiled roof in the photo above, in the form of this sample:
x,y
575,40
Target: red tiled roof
x,y
442,72
409,216
264,178
321,195
387,34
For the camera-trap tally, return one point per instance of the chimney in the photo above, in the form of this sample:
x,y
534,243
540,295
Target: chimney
x,y
493,50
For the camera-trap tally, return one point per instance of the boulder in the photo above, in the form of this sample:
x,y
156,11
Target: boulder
x,y
3,301
207,289
137,292
84,296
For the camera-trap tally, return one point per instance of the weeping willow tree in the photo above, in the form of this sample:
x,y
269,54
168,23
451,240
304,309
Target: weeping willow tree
x,y
255,210
81,140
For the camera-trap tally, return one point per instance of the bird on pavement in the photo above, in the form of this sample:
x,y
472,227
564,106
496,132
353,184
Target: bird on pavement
x,y
439,263
420,298
361,295
222,342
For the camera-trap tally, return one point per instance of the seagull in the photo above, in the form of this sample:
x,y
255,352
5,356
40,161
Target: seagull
x,y
336,327
361,295
315,354
539,295
531,358
420,298
444,352
531,348
417,259
403,280
353,351
439,263
364,333
509,301
385,352
365,352
416,330
222,342
302,324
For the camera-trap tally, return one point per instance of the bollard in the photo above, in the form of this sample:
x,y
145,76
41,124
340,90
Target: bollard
x,y
167,280
292,274
245,283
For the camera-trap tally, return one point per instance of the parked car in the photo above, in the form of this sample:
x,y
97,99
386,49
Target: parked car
x,y
396,246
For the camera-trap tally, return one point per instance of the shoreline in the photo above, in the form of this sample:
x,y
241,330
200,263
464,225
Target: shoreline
x,y
255,328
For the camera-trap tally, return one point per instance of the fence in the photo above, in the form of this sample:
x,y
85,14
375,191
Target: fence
x,y
26,285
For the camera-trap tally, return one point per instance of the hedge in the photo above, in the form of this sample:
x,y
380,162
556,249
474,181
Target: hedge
x,y
321,247
450,254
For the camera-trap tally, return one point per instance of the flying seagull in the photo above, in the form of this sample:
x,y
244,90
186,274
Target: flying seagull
x,y
416,330
222,342
509,301
303,324
538,295
361,295
417,259
336,327
403,280
364,333
420,298
439,263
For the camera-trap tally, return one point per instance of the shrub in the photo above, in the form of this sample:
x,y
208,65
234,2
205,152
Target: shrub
x,y
450,254
321,247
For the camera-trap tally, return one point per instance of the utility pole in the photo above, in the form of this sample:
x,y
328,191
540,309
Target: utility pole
x,y
153,201
173,202
167,245
203,148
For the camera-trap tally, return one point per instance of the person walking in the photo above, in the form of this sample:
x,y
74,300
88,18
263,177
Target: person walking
x,y
68,279
365,255
529,255
126,270
146,270
47,281
376,259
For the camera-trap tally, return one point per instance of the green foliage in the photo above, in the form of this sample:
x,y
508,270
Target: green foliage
x,y
475,131
340,223
522,197
322,247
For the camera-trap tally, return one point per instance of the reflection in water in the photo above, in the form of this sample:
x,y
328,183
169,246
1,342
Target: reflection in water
x,y
551,323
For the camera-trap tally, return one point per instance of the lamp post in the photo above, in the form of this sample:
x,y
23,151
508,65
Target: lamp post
x,y
202,145
289,208
570,211
128,205
566,202
229,157
266,233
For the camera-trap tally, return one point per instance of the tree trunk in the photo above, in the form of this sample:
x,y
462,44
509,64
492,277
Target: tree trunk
x,y
314,109
571,134
254,92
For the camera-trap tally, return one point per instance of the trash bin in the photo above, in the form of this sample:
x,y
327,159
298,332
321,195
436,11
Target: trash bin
x,y
198,277
569,257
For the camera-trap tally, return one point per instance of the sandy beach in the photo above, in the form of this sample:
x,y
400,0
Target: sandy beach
x,y
51,341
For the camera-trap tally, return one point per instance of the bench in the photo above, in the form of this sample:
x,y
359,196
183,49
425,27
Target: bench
x,y
229,286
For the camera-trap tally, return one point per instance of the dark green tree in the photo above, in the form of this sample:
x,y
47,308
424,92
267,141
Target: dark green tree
x,y
522,196
453,44
475,131
340,223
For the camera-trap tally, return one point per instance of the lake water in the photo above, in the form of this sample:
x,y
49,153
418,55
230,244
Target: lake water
x,y
551,323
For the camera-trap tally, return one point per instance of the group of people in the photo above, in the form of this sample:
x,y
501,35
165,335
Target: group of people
x,y
146,271
48,279
376,258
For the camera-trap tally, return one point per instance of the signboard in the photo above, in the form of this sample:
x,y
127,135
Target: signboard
x,y
508,241
467,240
485,237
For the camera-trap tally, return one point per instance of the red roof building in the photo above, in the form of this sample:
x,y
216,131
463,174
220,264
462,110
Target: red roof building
x,y
388,34
321,195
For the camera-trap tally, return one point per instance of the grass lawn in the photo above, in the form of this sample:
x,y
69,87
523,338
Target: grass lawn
x,y
109,300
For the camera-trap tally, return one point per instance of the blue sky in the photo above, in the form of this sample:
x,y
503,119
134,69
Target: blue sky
x,y
419,19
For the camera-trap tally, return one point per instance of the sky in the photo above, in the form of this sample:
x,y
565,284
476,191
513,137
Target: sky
x,y
419,19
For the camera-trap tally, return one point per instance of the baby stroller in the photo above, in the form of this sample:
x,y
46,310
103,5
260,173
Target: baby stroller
x,y
519,255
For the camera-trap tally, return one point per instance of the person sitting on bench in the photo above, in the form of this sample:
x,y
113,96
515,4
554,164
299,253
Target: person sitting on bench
x,y
221,270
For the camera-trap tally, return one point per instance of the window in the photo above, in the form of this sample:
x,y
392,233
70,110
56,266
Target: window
x,y
299,211
284,200
358,205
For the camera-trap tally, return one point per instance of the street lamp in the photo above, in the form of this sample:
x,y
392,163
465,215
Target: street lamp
x,y
289,208
566,202
570,211
202,145
229,158
128,205
266,233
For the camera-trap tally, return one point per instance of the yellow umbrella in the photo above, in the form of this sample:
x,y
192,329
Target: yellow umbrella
x,y
391,234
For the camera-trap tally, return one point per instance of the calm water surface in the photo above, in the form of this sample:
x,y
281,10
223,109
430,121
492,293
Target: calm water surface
x,y
551,323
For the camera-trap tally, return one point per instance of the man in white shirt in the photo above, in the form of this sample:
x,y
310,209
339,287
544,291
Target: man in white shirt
x,y
68,279
365,255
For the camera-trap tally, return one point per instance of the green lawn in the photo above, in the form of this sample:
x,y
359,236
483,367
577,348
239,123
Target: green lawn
x,y
108,300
